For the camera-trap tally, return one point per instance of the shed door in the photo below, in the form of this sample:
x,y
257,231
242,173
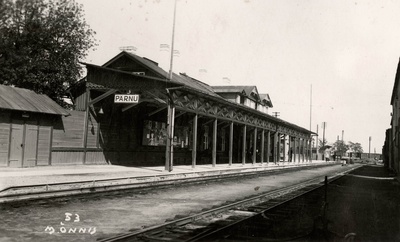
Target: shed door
x,y
16,146
30,144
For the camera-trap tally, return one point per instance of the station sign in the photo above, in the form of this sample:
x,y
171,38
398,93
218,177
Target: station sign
x,y
126,98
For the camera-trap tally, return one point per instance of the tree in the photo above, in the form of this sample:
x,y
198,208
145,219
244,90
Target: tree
x,y
355,147
340,147
41,44
322,145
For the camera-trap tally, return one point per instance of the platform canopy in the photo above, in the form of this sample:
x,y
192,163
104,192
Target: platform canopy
x,y
127,71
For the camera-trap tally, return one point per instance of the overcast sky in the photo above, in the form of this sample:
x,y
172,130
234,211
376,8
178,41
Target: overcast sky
x,y
347,51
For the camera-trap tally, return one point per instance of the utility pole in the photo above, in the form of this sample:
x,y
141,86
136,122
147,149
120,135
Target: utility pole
x,y
369,149
310,105
316,145
169,151
342,135
323,139
172,44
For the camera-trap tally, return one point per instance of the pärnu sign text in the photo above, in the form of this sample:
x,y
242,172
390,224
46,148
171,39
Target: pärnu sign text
x,y
126,98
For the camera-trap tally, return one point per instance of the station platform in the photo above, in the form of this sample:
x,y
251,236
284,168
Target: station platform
x,y
53,181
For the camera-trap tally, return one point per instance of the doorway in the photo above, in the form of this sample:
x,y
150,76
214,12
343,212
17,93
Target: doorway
x,y
24,142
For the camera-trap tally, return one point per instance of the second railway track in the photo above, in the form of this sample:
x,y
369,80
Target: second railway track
x,y
206,224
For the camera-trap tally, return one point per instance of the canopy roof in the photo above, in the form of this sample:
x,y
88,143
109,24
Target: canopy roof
x,y
181,81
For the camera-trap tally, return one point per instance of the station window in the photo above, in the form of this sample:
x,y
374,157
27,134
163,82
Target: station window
x,y
243,100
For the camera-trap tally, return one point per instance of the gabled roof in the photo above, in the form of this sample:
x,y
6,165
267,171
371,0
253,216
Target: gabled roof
x,y
192,85
195,84
249,91
145,62
266,99
20,99
181,79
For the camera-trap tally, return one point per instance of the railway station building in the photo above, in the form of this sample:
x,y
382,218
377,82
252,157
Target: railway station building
x,y
130,112
178,120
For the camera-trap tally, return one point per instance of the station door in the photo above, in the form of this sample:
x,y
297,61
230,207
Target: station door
x,y
24,143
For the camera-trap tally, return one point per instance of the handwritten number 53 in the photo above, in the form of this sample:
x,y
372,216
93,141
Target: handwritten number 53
x,y
69,215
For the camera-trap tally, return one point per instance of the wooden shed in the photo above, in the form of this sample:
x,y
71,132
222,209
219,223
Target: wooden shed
x,y
26,127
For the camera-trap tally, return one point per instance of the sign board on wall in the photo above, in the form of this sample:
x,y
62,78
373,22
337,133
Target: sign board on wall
x,y
126,98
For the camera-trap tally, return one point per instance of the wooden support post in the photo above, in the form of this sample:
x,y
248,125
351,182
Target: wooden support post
x,y
268,145
169,156
194,143
87,117
290,149
306,151
299,150
278,148
214,144
294,149
262,146
168,144
284,149
302,150
254,146
230,143
275,155
244,146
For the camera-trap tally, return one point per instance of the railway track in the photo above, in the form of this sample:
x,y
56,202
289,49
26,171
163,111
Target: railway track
x,y
210,223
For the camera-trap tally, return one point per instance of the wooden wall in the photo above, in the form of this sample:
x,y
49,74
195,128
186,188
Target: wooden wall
x,y
44,142
4,137
40,151
68,131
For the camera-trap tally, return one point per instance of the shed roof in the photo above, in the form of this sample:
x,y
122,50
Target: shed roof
x,y
20,99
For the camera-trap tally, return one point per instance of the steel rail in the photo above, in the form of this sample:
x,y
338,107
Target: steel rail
x,y
270,207
263,209
248,202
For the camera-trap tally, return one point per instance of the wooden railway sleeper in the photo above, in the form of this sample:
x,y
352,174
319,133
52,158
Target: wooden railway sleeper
x,y
273,199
